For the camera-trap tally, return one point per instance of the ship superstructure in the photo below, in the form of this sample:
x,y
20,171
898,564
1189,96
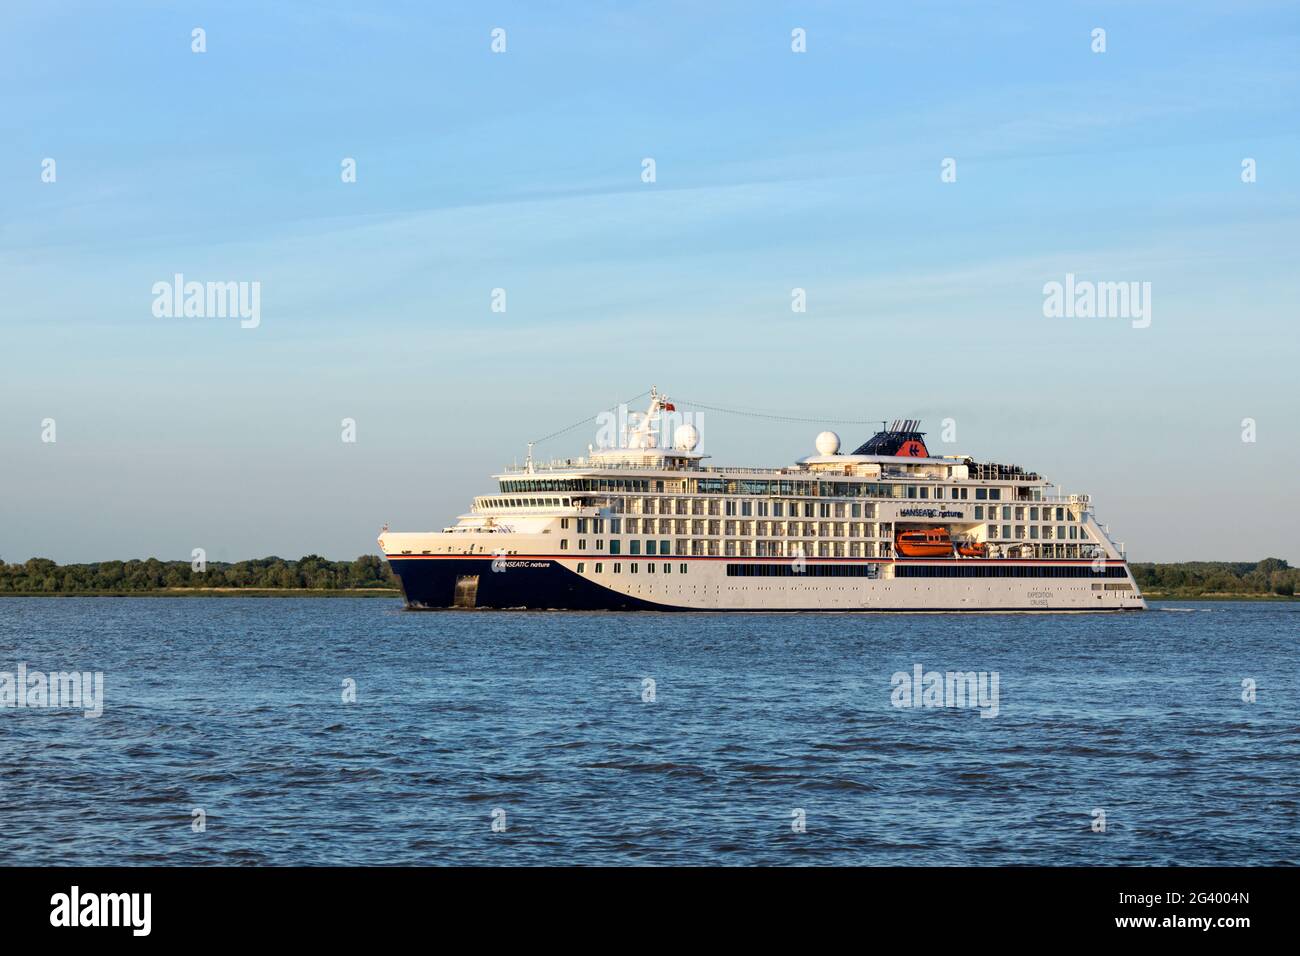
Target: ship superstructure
x,y
646,525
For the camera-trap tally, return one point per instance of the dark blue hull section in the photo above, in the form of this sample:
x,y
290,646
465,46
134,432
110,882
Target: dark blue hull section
x,y
545,584
522,583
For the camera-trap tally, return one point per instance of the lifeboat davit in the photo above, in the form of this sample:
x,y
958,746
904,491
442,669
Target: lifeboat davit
x,y
924,543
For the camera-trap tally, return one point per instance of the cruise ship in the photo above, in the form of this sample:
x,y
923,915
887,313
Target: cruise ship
x,y
645,525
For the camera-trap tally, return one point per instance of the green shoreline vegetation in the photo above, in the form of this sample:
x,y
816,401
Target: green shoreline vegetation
x,y
370,576
310,576
1218,580
1270,579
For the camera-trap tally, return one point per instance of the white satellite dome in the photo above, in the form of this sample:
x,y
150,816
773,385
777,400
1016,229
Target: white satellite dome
x,y
685,438
828,443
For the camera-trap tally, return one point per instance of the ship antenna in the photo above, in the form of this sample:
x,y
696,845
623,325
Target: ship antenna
x,y
528,462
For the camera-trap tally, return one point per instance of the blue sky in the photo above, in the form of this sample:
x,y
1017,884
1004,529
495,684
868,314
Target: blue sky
x,y
522,171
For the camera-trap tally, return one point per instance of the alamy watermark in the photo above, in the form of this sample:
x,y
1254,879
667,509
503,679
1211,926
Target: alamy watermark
x,y
1085,299
75,908
208,300
623,428
923,688
74,690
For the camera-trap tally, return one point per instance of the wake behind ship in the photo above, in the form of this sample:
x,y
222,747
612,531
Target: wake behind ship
x,y
646,526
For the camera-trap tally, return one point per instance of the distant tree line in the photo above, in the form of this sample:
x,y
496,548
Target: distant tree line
x,y
1191,578
41,575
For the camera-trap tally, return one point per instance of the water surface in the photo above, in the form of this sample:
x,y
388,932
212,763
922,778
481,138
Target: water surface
x,y
235,706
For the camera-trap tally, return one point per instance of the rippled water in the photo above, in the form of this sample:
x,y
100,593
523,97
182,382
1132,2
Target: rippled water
x,y
235,706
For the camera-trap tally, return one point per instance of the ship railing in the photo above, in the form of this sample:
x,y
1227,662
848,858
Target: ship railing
x,y
720,470
586,464
571,464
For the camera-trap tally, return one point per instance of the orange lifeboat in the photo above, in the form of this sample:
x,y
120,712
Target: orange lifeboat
x,y
973,549
924,543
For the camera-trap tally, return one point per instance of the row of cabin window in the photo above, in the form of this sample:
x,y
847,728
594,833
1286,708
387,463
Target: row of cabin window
x,y
905,571
712,547
731,508
761,529
746,508
632,567
767,488
717,507
1062,514
1075,533
526,502
973,569
665,546
718,527
633,525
